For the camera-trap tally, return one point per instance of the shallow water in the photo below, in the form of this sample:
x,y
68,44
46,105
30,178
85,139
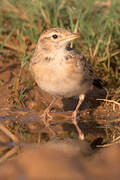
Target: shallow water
x,y
94,124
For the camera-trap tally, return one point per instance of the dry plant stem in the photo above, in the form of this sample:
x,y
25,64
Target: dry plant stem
x,y
111,101
107,145
12,47
9,154
81,135
8,133
115,141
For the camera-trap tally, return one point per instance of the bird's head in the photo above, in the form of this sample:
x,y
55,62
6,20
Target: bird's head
x,y
56,38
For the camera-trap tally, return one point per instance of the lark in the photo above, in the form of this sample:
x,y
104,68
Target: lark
x,y
62,71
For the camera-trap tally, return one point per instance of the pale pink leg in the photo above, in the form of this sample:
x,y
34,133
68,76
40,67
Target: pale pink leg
x,y
46,115
74,115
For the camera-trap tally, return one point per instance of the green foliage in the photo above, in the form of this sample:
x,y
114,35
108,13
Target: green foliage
x,y
6,39
24,59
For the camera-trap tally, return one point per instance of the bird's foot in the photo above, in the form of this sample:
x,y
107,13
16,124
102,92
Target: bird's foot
x,y
46,117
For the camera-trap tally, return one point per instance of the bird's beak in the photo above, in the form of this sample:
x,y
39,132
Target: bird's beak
x,y
71,37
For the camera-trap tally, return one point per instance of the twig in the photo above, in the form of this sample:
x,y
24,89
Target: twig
x,y
8,133
107,145
12,47
107,100
115,141
9,154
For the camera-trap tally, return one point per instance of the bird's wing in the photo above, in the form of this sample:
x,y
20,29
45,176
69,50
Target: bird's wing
x,y
85,67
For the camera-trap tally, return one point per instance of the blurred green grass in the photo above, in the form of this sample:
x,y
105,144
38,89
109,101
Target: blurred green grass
x,y
98,22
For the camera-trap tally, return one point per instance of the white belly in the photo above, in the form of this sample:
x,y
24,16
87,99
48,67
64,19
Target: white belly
x,y
59,81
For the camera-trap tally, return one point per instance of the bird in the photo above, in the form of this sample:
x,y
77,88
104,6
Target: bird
x,y
62,71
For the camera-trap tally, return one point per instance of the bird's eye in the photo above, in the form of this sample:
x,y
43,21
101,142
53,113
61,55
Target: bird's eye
x,y
55,36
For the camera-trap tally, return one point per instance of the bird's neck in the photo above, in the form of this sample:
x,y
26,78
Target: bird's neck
x,y
49,54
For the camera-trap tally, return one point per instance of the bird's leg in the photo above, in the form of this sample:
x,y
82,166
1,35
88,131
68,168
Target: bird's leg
x,y
46,115
74,115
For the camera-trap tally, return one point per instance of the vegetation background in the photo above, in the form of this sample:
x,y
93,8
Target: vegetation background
x,y
98,22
